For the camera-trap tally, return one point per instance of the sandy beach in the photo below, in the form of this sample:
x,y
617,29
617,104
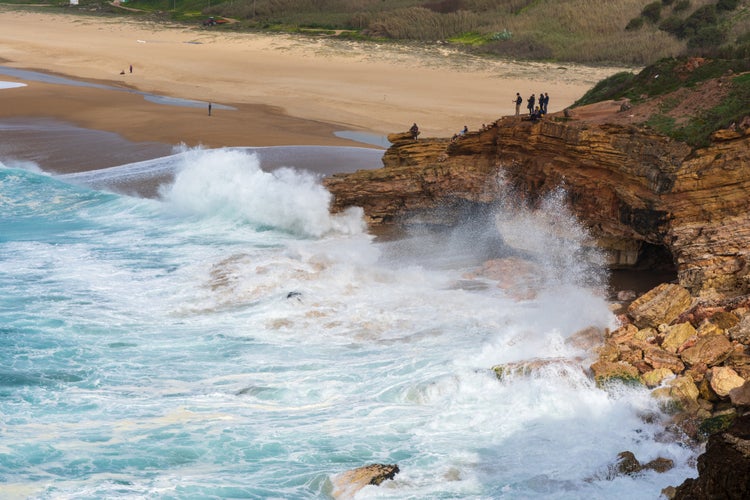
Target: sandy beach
x,y
284,89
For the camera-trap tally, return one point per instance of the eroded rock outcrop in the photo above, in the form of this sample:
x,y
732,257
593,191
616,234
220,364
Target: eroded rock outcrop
x,y
725,451
632,188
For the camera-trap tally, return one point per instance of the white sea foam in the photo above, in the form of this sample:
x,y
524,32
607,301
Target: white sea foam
x,y
11,85
231,184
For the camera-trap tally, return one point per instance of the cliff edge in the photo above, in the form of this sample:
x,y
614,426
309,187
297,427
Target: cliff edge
x,y
648,200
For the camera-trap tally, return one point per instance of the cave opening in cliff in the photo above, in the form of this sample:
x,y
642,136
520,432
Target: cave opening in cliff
x,y
655,265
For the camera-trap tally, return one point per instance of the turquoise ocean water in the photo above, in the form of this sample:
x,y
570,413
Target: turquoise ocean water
x,y
230,338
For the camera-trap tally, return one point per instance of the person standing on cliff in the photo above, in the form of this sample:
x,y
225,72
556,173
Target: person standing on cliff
x,y
518,102
414,131
530,104
546,102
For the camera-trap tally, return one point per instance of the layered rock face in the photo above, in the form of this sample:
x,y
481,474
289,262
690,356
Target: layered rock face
x,y
631,188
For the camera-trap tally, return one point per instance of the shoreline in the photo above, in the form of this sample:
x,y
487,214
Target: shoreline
x,y
286,90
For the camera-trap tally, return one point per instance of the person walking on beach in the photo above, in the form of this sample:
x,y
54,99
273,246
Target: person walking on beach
x,y
530,104
131,68
518,102
209,109
414,131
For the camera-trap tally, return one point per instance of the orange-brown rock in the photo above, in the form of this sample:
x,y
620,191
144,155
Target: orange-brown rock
x,y
676,336
710,350
723,380
347,484
659,358
605,372
660,305
634,189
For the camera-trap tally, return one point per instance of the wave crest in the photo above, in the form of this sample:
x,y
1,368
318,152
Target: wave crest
x,y
231,184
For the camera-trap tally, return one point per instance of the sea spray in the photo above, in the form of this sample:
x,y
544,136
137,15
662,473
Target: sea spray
x,y
232,184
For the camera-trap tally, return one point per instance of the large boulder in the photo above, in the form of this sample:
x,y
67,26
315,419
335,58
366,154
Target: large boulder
x,y
723,380
660,305
659,358
655,377
679,393
711,350
676,335
607,372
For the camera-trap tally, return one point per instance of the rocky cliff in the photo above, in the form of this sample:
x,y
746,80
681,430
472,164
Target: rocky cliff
x,y
647,200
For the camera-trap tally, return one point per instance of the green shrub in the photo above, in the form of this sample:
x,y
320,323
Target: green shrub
x,y
672,25
681,5
662,124
521,47
701,18
707,37
652,12
634,24
609,88
444,6
727,5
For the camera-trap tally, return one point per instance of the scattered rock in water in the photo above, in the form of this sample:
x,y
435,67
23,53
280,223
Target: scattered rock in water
x,y
587,339
552,367
628,465
347,484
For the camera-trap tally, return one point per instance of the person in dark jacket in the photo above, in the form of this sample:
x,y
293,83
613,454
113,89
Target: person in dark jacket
x,y
414,131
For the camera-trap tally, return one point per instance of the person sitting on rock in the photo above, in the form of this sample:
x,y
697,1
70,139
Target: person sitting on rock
x,y
536,114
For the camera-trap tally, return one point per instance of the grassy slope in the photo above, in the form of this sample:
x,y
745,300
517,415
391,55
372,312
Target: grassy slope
x,y
718,89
